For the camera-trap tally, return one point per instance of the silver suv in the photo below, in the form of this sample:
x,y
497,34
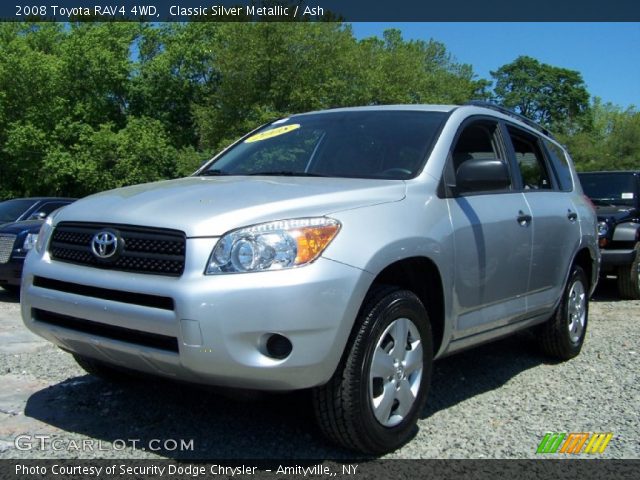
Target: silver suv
x,y
342,250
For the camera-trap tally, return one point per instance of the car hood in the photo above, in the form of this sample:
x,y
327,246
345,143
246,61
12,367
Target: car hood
x,y
613,212
211,206
14,228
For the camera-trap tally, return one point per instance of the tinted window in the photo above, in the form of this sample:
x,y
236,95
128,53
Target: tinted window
x,y
609,188
560,165
11,210
478,141
362,144
530,160
50,207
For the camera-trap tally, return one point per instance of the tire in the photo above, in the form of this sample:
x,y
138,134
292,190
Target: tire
x,y
629,278
562,336
100,369
374,409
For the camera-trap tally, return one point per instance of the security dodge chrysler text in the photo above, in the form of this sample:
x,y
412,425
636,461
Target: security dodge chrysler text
x,y
341,251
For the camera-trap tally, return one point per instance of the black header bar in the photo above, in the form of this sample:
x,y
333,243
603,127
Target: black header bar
x,y
316,10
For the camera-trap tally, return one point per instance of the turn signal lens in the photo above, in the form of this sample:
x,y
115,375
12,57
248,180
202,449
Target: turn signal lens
x,y
312,241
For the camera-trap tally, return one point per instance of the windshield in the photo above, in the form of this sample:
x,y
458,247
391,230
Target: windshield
x,y
11,210
357,144
609,189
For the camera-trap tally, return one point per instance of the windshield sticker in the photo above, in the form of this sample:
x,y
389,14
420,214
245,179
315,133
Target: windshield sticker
x,y
272,133
627,196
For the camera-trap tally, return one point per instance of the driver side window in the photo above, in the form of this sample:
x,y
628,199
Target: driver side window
x,y
477,143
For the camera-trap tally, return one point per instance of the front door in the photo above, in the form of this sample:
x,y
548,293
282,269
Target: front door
x,y
492,240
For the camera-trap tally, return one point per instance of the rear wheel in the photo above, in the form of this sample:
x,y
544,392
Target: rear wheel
x,y
629,278
373,401
563,335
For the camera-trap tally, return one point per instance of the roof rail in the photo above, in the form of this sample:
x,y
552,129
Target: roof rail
x,y
511,113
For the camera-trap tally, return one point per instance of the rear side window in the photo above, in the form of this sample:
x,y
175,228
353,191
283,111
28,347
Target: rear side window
x,y
560,165
530,160
609,188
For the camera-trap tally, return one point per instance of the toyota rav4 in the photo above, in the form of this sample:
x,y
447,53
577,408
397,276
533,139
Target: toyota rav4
x,y
341,251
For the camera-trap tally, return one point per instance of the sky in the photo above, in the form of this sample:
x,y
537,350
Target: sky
x,y
606,54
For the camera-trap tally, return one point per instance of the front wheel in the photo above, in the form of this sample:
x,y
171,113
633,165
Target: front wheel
x,y
562,336
374,399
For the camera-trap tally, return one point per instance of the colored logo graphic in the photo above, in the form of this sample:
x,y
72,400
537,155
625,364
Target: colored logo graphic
x,y
574,442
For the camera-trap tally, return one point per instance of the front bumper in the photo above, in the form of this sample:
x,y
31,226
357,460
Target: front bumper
x,y
11,271
617,257
218,323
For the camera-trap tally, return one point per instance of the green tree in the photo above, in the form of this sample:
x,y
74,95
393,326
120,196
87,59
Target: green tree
x,y
415,71
175,70
552,96
31,101
269,70
612,142
86,106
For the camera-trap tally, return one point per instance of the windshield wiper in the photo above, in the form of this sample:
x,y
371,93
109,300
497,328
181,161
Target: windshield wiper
x,y
212,173
286,173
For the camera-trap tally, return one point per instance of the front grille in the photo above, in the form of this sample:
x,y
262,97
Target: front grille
x,y
146,339
144,299
142,250
6,247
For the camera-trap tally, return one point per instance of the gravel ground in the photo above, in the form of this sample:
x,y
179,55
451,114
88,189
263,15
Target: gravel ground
x,y
496,401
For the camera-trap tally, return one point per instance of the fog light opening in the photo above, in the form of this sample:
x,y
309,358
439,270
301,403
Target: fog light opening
x,y
278,346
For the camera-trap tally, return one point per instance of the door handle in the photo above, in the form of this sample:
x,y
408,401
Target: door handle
x,y
524,219
572,216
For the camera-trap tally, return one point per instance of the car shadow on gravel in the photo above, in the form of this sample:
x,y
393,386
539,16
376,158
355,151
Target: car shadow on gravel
x,y
480,370
607,291
223,424
226,424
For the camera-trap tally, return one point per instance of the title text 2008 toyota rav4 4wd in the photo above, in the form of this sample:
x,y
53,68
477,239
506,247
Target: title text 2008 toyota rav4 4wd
x,y
341,251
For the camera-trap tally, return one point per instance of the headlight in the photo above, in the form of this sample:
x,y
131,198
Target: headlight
x,y
272,246
603,229
30,241
43,235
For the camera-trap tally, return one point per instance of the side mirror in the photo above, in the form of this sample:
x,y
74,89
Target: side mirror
x,y
482,174
38,216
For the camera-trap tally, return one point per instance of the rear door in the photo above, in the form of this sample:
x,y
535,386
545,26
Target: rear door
x,y
555,226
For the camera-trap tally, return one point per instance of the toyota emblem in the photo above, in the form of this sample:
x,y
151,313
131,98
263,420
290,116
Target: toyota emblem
x,y
104,244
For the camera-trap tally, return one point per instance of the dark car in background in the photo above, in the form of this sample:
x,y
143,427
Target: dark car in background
x,y
616,196
20,222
